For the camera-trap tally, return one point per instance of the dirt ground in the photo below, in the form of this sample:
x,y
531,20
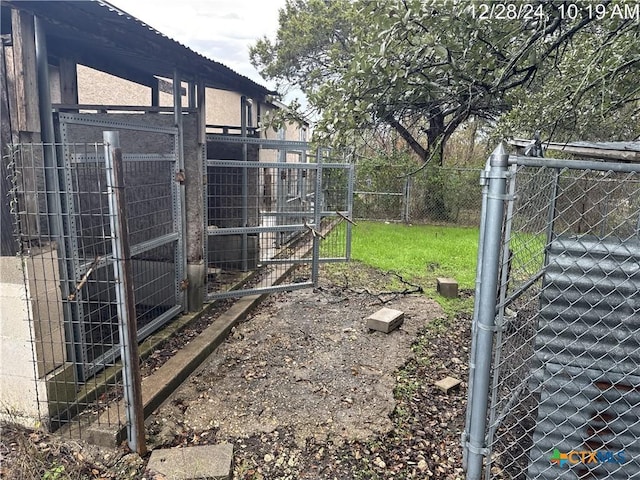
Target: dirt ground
x,y
303,390
305,361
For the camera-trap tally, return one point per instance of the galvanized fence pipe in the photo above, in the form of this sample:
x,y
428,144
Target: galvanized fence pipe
x,y
503,280
472,354
485,327
124,293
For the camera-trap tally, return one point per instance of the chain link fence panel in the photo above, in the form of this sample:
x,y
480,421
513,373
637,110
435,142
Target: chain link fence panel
x,y
564,385
440,195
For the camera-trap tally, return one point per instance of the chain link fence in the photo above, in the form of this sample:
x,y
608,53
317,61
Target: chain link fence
x,y
554,388
446,195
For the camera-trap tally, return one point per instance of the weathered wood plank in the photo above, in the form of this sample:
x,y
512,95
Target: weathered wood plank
x,y
68,81
25,75
8,245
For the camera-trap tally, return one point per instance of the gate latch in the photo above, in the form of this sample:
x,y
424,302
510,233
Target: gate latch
x,y
313,231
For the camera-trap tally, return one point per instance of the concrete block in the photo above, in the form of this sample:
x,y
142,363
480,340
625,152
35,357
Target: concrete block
x,y
16,358
50,345
13,290
385,320
447,287
191,463
61,388
20,397
106,435
448,383
14,313
11,270
226,251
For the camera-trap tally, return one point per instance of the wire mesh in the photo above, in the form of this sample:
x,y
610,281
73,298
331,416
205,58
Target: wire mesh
x,y
64,245
264,218
565,399
439,195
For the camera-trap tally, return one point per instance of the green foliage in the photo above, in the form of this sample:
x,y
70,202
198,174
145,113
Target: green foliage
x,y
592,93
312,33
423,68
436,194
440,192
55,472
384,173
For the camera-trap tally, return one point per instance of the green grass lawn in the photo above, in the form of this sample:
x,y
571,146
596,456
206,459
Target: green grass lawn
x,y
418,252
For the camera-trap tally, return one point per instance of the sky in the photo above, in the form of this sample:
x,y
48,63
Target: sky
x,y
221,30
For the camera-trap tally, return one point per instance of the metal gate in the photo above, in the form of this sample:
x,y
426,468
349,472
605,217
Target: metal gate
x,y
554,385
266,217
154,200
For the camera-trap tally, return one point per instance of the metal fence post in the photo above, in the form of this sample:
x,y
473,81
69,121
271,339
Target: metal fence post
x,y
318,207
485,327
407,199
244,242
122,267
181,215
350,214
472,354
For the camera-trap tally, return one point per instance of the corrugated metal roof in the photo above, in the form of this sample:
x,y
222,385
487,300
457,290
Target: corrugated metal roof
x,y
102,36
587,368
622,146
157,32
625,151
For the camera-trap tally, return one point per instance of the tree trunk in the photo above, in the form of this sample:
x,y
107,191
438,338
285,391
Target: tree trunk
x,y
422,152
435,137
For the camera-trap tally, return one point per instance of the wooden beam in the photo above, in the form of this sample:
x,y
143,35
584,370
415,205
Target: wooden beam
x,y
192,95
25,74
201,106
8,245
68,81
10,80
155,95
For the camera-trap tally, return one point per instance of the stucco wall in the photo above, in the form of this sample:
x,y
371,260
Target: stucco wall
x,y
222,107
95,87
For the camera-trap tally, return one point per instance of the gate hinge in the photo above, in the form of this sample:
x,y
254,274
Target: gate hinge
x,y
184,284
180,176
477,450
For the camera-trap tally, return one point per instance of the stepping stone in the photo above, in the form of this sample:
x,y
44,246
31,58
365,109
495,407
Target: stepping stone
x,y
447,383
191,463
385,320
447,287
